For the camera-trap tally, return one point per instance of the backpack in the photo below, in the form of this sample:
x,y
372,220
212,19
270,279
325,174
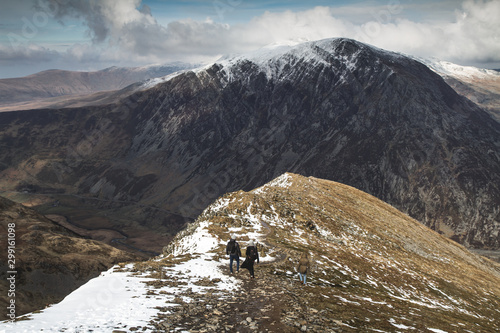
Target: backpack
x,y
251,254
233,249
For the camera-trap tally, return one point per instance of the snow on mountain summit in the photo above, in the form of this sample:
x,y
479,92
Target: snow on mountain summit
x,y
481,86
273,59
276,59
448,68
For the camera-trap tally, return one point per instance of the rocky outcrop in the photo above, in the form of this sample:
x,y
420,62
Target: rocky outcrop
x,y
335,109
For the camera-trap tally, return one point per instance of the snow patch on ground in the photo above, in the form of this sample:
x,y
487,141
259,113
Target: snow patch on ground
x,y
436,330
400,326
121,300
218,205
101,305
200,241
448,68
284,181
202,267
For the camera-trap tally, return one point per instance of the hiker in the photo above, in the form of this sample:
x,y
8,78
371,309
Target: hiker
x,y
234,252
251,255
303,267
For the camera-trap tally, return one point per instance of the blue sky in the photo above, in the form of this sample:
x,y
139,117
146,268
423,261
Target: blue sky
x,y
93,34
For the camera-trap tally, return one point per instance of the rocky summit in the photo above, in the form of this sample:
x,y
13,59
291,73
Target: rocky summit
x,y
372,268
335,109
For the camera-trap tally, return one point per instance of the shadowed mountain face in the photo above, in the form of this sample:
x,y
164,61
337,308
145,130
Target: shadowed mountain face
x,y
335,109
49,260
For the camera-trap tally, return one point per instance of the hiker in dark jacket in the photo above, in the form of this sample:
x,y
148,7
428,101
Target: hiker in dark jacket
x,y
303,267
234,252
251,255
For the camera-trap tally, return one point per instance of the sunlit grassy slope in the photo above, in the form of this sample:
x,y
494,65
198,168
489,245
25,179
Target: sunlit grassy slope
x,y
373,266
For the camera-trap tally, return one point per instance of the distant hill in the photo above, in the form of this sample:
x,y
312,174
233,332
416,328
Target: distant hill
x,y
50,260
372,269
56,83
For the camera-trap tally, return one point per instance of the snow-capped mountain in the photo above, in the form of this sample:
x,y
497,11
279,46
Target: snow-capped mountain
x,y
451,69
372,268
340,110
335,109
482,86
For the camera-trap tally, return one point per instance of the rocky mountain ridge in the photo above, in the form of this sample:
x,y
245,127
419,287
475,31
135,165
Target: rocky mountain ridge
x,y
372,268
334,109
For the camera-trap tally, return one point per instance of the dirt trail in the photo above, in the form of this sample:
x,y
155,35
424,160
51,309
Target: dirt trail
x,y
265,302
260,305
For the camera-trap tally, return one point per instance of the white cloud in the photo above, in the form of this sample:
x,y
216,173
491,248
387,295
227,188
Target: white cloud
x,y
316,23
124,32
474,35
26,53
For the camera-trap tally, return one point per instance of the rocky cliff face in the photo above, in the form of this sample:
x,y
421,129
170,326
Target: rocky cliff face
x,y
49,260
335,109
